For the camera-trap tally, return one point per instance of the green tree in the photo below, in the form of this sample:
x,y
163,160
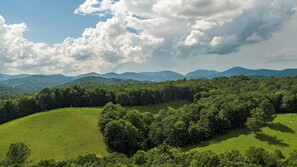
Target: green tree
x,y
44,99
259,156
121,136
180,134
232,158
18,153
206,158
292,160
122,99
109,113
260,116
254,125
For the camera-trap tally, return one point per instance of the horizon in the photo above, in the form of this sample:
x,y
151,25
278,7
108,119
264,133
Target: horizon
x,y
102,36
152,71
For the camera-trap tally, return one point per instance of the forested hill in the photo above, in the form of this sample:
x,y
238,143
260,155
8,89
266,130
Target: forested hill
x,y
162,76
34,83
216,106
4,77
9,92
101,81
281,91
206,74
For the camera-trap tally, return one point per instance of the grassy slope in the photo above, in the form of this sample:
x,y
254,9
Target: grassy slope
x,y
59,134
62,134
280,135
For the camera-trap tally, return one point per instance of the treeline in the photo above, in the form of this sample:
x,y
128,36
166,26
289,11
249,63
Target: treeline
x,y
282,92
163,155
82,96
234,104
127,131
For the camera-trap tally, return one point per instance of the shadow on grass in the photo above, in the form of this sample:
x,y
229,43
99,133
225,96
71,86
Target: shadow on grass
x,y
271,140
217,139
280,127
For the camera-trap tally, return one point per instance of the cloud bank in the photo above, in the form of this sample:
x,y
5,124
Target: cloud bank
x,y
137,30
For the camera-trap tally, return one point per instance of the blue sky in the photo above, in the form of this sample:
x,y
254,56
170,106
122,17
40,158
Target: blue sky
x,y
49,21
113,36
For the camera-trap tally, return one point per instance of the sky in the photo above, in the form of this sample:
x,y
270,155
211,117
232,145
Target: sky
x,y
79,36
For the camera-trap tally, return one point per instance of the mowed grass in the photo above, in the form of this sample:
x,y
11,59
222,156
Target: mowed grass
x,y
62,134
281,134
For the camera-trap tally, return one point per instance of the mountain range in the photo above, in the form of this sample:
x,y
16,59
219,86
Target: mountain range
x,y
32,83
206,74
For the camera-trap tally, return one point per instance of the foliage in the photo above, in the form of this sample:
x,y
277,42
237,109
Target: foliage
x,y
168,156
98,95
64,133
17,154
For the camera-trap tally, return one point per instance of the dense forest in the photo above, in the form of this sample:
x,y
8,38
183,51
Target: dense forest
x,y
217,105
163,155
92,95
233,93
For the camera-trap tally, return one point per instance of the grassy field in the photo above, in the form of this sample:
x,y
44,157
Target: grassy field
x,y
279,135
67,133
62,134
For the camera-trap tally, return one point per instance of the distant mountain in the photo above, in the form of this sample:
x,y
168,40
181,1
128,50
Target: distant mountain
x,y
32,83
100,80
260,73
37,82
8,91
201,74
4,77
162,76
111,75
247,72
286,72
92,74
146,76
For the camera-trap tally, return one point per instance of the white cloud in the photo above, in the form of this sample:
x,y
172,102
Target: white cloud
x,y
106,46
202,9
193,38
253,25
216,41
180,28
88,7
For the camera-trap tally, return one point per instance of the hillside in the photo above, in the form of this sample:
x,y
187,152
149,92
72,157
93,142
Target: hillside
x,y
146,76
68,133
279,135
201,74
4,77
101,81
64,133
8,91
37,82
31,83
259,72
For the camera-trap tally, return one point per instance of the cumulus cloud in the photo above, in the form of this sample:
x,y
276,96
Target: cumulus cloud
x,y
191,27
107,45
253,25
137,29
88,7
16,51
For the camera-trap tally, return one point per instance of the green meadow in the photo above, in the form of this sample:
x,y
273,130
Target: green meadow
x,y
68,133
281,134
63,133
